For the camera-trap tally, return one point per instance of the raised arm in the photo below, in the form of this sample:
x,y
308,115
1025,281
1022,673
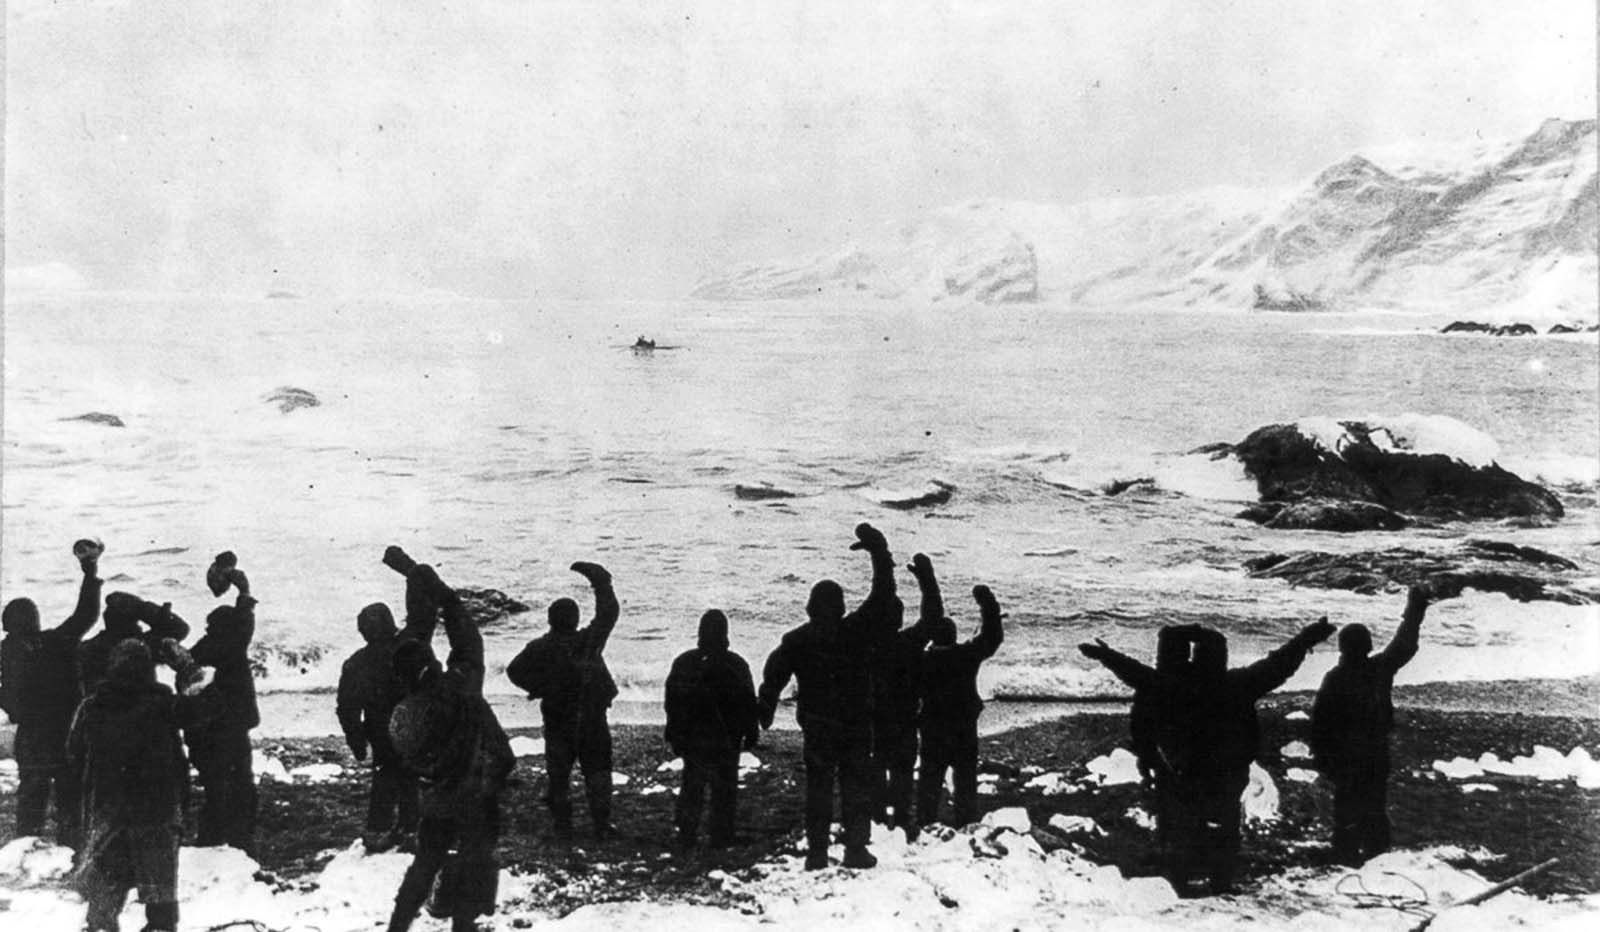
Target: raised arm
x,y
466,642
87,611
1271,671
882,608
993,632
606,607
422,615
932,601
774,677
1125,668
1404,644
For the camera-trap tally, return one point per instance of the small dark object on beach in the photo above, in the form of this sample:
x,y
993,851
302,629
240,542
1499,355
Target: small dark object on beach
x,y
1324,515
486,606
1118,486
98,417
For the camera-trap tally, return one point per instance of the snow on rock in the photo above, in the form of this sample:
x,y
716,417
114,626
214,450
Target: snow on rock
x,y
1479,788
672,766
30,859
523,746
8,775
620,779
1075,824
317,773
1260,798
748,762
1297,716
1301,775
1051,784
1297,750
267,767
1120,766
1014,818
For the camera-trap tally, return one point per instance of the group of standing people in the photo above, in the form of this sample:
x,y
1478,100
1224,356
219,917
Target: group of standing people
x,y
1195,733
100,735
103,740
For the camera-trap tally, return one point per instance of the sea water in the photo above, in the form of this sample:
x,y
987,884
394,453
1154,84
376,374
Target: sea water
x,y
504,440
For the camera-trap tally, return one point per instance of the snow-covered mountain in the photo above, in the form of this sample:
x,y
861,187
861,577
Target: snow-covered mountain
x,y
1510,226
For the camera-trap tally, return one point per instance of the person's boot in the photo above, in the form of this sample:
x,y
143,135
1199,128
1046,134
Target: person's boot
x,y
858,857
816,859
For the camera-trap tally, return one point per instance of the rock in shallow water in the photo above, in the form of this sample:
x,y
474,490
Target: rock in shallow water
x,y
98,417
1522,573
1289,466
288,398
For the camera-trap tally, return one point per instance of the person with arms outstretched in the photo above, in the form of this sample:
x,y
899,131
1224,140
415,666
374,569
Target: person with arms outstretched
x,y
39,693
950,703
831,658
1350,724
711,717
449,739
565,669
1210,741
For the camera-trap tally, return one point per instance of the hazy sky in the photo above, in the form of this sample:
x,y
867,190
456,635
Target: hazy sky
x,y
532,147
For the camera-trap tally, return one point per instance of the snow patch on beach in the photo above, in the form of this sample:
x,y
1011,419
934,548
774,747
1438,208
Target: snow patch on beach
x,y
1545,763
979,878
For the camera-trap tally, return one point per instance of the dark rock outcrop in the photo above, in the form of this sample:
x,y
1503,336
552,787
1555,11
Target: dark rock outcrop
x,y
1494,330
939,495
1290,467
1323,514
485,606
1572,328
1286,300
289,399
760,493
1522,573
98,417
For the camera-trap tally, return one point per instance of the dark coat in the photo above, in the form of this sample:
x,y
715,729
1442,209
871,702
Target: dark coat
x,y
230,701
1213,734
949,676
1354,710
832,661
368,689
711,699
158,621
443,731
39,681
125,743
566,670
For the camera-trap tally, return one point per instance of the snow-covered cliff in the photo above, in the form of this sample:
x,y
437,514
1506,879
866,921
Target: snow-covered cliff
x,y
1512,225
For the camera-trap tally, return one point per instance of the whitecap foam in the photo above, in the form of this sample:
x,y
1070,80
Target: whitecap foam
x,y
1407,433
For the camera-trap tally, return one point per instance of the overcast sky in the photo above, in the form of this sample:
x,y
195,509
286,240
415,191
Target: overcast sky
x,y
591,148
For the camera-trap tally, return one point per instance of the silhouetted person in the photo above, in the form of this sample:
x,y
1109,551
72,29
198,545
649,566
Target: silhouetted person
x,y
711,716
125,744
126,616
950,701
218,720
448,737
39,692
565,669
1211,741
896,669
1350,724
368,692
831,657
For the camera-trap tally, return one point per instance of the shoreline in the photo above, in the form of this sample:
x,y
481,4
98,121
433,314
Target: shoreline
x,y
311,714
